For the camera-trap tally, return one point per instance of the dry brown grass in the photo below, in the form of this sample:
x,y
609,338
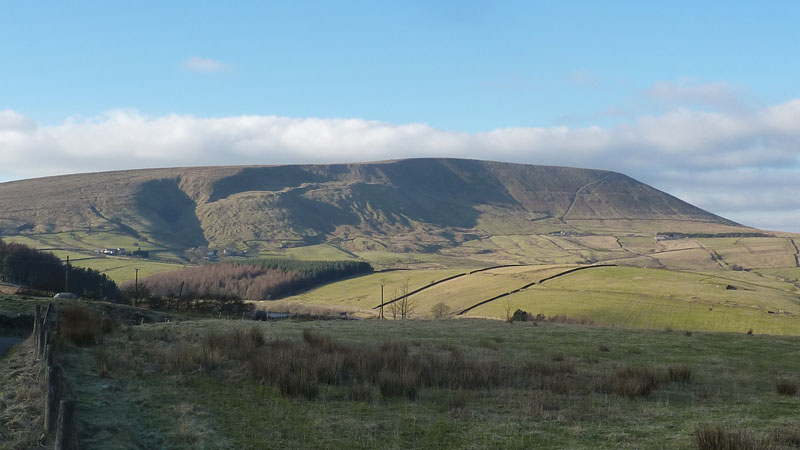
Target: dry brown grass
x,y
680,374
20,399
787,436
300,368
81,325
631,382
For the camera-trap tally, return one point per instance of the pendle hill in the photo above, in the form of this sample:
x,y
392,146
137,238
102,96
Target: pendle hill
x,y
488,211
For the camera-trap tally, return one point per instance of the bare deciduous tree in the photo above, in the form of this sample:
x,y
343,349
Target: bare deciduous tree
x,y
407,305
507,307
394,307
440,310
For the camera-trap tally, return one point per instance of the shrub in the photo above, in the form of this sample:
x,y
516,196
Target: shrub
x,y
521,316
785,386
603,348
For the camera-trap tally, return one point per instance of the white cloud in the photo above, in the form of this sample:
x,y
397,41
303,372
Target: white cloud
x,y
743,166
205,65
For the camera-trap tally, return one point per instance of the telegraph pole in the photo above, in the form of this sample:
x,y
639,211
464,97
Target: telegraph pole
x,y
136,284
66,281
381,301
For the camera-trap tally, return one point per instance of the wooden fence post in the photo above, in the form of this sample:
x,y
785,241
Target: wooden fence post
x,y
40,340
53,400
36,318
47,314
66,433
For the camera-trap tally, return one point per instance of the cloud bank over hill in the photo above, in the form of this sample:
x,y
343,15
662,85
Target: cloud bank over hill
x,y
742,163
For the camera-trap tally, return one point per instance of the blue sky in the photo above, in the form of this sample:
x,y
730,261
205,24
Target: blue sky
x,y
637,87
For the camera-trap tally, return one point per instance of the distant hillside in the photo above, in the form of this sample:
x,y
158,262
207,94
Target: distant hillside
x,y
416,205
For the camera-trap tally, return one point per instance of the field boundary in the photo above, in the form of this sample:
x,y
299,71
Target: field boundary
x,y
496,297
451,277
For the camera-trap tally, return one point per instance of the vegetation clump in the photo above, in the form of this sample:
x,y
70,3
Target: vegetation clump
x,y
718,438
81,325
785,386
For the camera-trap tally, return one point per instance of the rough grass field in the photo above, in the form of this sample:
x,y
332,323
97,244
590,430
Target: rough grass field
x,y
204,385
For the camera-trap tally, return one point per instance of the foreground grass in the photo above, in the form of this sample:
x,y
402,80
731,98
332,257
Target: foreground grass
x,y
21,394
207,385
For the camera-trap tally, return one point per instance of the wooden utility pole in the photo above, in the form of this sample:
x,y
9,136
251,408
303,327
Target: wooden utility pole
x,y
381,301
136,286
180,294
66,282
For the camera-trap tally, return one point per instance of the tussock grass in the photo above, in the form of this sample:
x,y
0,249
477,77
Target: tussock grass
x,y
631,382
787,436
785,386
718,438
679,374
82,325
299,368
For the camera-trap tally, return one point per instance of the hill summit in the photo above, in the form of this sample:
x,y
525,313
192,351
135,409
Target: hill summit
x,y
413,205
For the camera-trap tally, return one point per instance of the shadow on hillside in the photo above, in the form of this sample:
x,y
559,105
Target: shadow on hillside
x,y
171,214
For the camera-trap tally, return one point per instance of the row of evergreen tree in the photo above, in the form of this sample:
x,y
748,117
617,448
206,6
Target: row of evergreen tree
x,y
43,271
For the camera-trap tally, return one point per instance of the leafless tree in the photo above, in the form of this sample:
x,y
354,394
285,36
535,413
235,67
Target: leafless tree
x,y
407,305
440,310
394,307
509,315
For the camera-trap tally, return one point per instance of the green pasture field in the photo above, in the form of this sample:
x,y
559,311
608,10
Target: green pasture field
x,y
320,252
614,296
659,299
129,397
122,270
461,293
787,273
365,291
